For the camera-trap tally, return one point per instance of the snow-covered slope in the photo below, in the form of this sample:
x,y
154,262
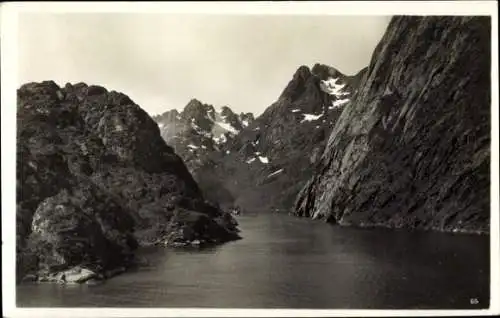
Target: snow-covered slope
x,y
201,126
200,134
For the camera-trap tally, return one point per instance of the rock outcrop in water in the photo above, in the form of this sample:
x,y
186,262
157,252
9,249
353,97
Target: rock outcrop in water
x,y
95,179
413,148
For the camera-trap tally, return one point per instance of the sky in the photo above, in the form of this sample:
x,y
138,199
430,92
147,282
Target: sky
x,y
161,61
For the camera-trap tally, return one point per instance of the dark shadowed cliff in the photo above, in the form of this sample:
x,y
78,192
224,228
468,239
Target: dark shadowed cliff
x,y
413,148
95,179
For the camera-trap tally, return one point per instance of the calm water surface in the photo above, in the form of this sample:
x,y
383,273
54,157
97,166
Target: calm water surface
x,y
288,262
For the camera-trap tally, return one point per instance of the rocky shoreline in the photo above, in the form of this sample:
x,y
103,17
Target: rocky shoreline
x,y
92,274
404,227
75,275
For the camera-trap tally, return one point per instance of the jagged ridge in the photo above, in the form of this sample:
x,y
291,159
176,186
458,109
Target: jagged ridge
x,y
264,164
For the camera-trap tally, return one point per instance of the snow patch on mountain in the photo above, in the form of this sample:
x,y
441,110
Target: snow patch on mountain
x,y
311,117
275,173
211,114
227,127
195,126
331,87
338,103
263,159
220,140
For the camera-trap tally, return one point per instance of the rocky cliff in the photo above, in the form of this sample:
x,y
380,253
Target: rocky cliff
x,y
95,179
413,148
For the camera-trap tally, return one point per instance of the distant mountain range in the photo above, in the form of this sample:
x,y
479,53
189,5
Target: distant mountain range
x,y
201,129
261,164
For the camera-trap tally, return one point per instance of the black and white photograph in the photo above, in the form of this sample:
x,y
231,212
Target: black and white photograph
x,y
296,158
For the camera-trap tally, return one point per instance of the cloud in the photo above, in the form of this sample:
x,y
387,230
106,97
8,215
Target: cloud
x,y
163,60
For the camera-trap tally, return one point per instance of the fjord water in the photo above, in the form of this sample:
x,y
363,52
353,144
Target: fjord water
x,y
288,262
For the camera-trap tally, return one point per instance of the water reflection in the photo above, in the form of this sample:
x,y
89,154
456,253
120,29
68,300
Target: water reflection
x,y
285,262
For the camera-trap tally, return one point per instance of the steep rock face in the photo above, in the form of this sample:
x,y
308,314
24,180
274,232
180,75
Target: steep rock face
x,y
267,163
413,148
70,229
95,178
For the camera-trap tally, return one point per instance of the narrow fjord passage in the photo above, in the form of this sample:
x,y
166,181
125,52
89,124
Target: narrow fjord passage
x,y
281,262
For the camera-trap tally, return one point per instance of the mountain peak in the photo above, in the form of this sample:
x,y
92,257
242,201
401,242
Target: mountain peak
x,y
201,129
297,85
45,88
324,71
302,72
226,111
193,104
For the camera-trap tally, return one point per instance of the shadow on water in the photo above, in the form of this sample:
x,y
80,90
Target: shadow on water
x,y
287,262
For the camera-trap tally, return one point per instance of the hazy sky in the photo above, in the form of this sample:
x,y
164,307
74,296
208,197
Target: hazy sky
x,y
162,61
